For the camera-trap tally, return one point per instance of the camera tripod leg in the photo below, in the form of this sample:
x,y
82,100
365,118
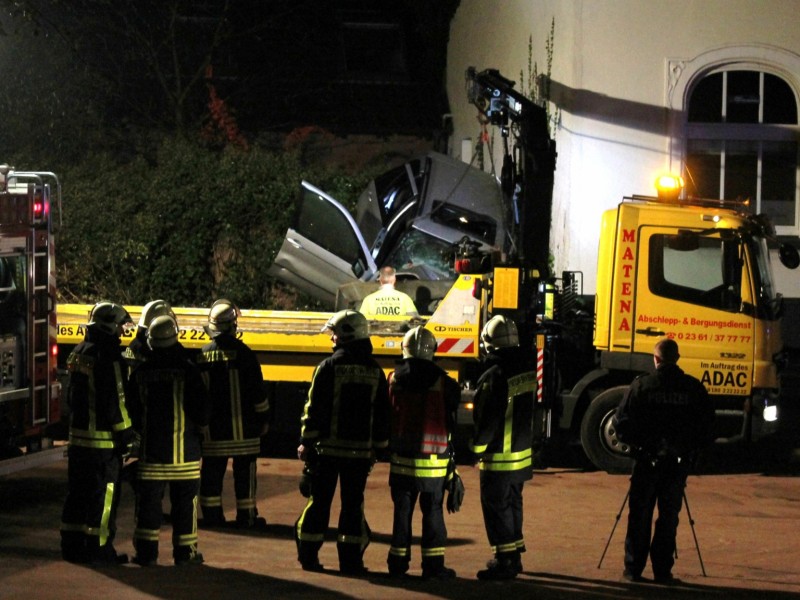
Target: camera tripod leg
x,y
691,523
616,522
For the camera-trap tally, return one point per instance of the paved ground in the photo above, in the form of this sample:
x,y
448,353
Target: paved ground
x,y
745,503
746,512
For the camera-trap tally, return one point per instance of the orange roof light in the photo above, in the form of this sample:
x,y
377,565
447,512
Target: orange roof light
x,y
669,187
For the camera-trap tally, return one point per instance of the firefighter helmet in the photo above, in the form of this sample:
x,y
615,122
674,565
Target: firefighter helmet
x,y
419,343
348,326
153,309
109,318
499,332
222,318
163,332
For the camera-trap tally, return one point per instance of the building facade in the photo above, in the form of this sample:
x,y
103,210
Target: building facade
x,y
704,88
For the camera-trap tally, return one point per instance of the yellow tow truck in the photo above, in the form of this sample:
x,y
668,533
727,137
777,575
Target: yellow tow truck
x,y
692,269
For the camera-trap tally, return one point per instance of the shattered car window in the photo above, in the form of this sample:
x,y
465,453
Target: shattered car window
x,y
423,255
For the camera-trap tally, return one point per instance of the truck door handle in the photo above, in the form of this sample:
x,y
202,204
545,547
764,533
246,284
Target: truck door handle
x,y
294,242
651,331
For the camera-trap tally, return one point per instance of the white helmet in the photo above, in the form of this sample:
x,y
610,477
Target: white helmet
x,y
222,318
419,342
109,318
163,332
348,325
499,332
153,309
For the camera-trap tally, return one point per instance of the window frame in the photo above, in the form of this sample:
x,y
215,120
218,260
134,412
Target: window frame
x,y
685,74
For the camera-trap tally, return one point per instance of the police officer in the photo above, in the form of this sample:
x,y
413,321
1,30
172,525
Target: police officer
x,y
169,406
99,435
387,301
344,423
502,443
138,350
239,410
666,417
424,401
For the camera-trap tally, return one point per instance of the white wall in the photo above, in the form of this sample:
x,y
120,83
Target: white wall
x,y
623,67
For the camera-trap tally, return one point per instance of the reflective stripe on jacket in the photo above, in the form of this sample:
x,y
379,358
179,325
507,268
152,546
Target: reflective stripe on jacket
x,y
503,417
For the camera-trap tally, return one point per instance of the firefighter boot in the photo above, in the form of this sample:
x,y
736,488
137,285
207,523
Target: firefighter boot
x,y
146,552
186,556
351,560
433,568
398,565
308,555
212,517
249,519
73,546
103,556
506,566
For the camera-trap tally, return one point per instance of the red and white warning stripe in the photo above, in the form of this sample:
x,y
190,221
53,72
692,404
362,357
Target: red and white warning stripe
x,y
455,345
539,374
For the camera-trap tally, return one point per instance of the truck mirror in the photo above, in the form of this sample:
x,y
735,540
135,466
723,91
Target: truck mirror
x,y
732,273
790,257
685,241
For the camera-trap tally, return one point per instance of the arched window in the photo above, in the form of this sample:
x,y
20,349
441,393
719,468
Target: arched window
x,y
742,142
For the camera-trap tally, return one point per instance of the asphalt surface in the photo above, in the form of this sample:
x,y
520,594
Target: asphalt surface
x,y
744,503
745,517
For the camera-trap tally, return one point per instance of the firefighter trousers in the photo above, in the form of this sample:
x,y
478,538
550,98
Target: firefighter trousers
x,y
659,485
212,474
434,532
88,519
183,514
352,532
501,503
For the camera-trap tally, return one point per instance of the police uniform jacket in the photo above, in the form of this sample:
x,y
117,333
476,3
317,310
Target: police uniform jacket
x,y
170,405
665,413
347,412
233,377
503,416
424,401
97,392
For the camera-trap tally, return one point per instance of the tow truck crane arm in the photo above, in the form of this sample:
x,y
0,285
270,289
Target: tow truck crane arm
x,y
528,167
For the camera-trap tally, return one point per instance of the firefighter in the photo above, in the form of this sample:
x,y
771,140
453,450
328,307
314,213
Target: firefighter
x,y
239,410
424,400
169,406
666,418
388,301
345,423
502,443
100,434
137,351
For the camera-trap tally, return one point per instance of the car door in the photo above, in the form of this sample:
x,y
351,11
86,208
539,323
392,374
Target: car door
x,y
324,249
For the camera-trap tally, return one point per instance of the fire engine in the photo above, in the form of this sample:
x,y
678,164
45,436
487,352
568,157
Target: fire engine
x,y
29,387
695,270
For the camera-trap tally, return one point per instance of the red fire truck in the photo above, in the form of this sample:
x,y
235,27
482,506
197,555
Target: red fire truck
x,y
29,387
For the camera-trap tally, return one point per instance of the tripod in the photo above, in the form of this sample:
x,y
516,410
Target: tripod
x,y
691,523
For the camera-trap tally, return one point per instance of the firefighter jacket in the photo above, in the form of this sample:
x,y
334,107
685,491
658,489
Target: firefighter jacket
x,y
239,407
503,415
169,407
347,412
98,392
666,413
424,400
137,350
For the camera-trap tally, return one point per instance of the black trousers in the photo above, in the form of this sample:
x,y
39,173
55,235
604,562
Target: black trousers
x,y
212,474
183,514
434,532
659,485
501,503
352,532
88,519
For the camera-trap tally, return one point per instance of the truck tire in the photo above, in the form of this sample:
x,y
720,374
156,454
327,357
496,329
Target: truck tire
x,y
599,437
